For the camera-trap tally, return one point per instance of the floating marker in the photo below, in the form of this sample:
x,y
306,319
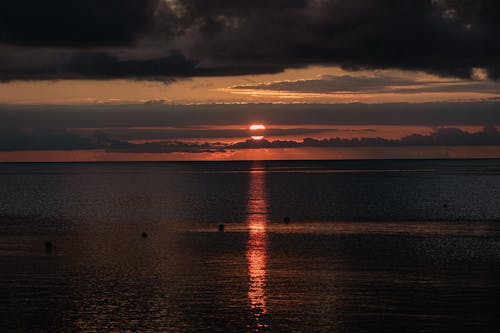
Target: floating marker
x,y
144,234
48,247
286,219
221,227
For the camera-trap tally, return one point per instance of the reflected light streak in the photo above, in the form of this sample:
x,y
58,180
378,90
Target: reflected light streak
x,y
257,246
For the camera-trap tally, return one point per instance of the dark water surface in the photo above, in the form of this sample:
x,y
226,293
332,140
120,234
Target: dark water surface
x,y
372,246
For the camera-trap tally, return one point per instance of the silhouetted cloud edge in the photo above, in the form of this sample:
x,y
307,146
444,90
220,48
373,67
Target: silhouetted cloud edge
x,y
116,39
64,140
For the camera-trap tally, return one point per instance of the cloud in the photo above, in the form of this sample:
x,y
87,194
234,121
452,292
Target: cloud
x,y
43,139
153,115
56,139
74,23
136,38
100,65
490,136
169,147
155,133
334,84
35,139
381,83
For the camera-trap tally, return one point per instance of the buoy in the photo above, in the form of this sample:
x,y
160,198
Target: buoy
x,y
144,234
286,219
48,247
445,206
221,227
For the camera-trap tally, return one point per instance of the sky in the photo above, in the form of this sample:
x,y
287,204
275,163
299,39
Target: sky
x,y
95,80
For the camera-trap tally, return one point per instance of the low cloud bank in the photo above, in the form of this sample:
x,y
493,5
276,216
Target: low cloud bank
x,y
489,136
18,140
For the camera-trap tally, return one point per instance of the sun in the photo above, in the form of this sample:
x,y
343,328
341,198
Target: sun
x,y
256,127
258,131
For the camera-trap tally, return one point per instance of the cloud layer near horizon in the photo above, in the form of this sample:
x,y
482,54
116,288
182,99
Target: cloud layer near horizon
x,y
19,140
186,116
166,39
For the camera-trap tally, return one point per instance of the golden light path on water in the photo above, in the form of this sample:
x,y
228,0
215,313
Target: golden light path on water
x,y
257,245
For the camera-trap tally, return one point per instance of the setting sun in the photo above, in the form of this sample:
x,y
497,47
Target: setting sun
x,y
258,130
256,127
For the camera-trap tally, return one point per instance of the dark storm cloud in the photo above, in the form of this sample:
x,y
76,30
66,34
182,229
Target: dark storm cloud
x,y
230,37
99,65
79,23
104,65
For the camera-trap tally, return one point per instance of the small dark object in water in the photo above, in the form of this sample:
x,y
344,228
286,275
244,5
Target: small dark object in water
x,y
144,234
48,247
286,219
221,227
445,205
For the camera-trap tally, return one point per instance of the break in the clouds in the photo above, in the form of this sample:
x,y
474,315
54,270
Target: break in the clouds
x,y
165,39
75,23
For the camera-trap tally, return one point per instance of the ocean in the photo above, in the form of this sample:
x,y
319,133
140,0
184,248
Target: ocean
x,y
368,246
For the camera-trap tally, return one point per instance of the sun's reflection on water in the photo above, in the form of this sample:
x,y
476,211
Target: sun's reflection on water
x,y
257,246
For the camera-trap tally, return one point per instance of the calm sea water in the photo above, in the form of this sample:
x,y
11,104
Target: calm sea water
x,y
372,246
